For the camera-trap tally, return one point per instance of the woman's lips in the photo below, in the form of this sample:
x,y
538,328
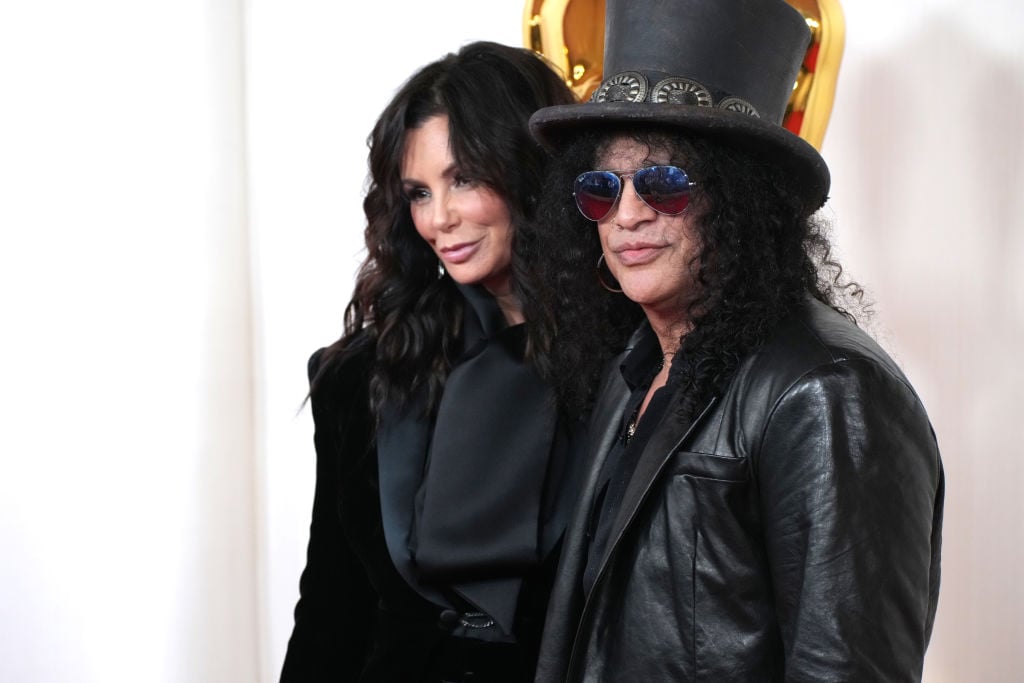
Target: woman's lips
x,y
459,253
637,254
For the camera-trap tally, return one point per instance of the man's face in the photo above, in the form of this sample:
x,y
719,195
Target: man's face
x,y
653,256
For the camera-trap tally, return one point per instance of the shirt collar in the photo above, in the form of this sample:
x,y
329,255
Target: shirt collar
x,y
641,363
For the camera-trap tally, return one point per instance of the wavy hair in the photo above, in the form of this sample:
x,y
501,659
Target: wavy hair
x,y
759,257
404,307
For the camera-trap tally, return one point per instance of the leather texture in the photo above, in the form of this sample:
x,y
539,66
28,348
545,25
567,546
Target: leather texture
x,y
791,534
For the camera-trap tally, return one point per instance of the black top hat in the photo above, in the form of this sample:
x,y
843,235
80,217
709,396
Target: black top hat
x,y
720,67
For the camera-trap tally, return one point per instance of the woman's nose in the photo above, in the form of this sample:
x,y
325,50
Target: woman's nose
x,y
444,215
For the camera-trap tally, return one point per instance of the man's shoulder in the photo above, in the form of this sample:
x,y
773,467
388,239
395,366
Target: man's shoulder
x,y
819,335
816,342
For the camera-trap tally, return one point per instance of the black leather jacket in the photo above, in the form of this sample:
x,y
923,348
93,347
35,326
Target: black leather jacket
x,y
791,534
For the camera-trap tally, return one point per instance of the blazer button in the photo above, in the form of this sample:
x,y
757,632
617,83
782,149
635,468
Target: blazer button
x,y
448,619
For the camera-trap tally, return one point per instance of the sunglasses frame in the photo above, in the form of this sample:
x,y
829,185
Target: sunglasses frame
x,y
621,177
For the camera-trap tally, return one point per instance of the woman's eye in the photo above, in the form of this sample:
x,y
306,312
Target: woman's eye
x,y
416,194
464,181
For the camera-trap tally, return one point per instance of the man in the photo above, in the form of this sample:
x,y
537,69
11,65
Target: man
x,y
764,499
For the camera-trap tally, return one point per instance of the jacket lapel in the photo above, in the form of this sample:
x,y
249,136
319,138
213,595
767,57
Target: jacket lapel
x,y
665,441
566,601
604,431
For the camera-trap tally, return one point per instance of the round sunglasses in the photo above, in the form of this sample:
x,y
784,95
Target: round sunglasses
x,y
666,189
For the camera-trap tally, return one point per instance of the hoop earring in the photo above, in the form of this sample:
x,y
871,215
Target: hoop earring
x,y
600,277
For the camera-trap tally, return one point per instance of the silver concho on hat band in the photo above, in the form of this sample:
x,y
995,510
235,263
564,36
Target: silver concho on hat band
x,y
628,86
740,105
676,90
632,86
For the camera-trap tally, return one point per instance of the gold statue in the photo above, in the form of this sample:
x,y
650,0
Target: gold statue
x,y
570,34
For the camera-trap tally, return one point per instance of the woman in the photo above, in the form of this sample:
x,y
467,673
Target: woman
x,y
442,461
764,500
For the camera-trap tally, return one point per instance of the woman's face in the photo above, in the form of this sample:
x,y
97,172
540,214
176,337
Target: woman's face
x,y
651,255
466,223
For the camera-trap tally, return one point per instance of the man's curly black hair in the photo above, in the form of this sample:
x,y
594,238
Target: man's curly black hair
x,y
760,257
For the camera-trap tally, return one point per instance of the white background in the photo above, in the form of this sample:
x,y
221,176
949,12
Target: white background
x,y
180,218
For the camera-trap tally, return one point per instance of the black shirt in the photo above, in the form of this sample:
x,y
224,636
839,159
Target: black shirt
x,y
638,369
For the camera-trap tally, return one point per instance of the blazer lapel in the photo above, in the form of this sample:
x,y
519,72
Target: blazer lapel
x,y
401,455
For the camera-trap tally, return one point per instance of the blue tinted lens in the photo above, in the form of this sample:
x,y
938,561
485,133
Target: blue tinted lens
x,y
596,192
666,189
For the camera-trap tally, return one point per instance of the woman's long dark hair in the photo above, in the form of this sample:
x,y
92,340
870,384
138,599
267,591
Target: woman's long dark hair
x,y
402,307
760,257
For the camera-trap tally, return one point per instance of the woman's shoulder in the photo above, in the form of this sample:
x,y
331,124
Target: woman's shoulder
x,y
342,366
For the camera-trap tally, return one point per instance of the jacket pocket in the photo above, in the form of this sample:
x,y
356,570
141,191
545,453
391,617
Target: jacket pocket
x,y
709,466
713,541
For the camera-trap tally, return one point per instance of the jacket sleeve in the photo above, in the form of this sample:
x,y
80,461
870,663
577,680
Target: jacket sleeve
x,y
336,600
851,491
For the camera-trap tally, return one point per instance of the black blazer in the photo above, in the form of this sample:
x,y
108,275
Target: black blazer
x,y
357,619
